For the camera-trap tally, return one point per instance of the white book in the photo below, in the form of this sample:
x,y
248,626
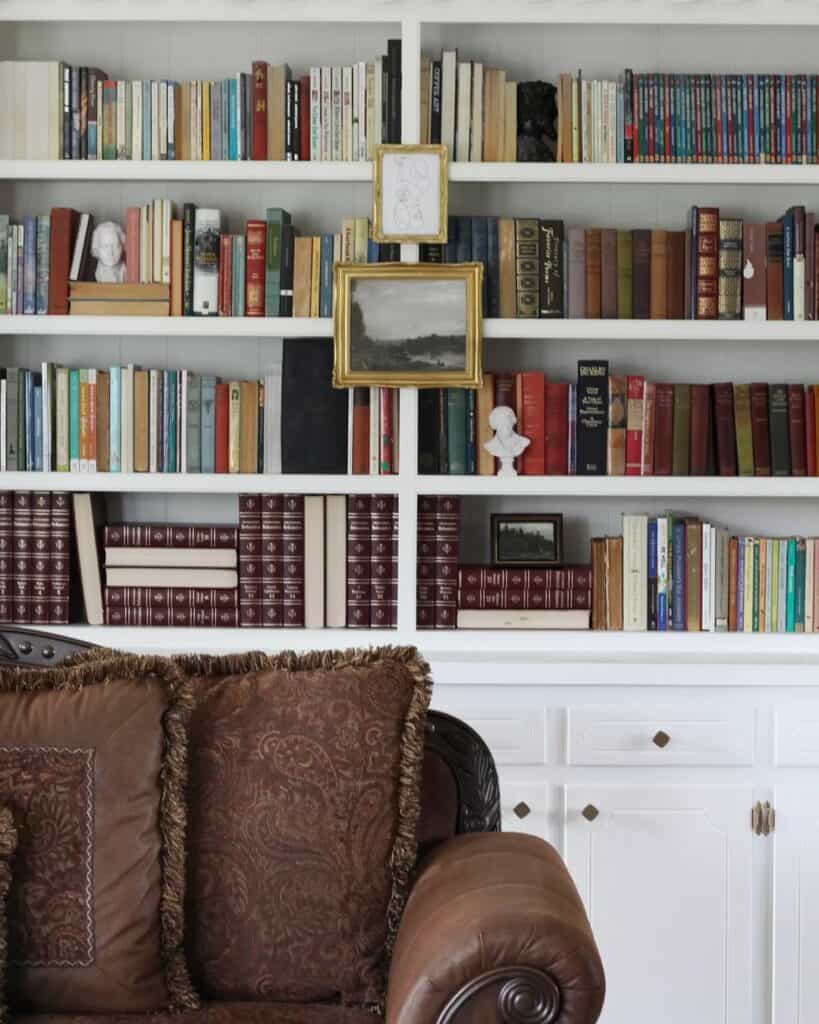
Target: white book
x,y
158,221
315,114
153,421
92,417
335,561
8,110
463,115
476,137
662,573
80,245
706,582
183,423
62,465
378,100
539,619
166,558
370,118
354,115
313,561
273,407
635,572
613,133
55,111
136,120
337,122
449,95
122,152
363,125
154,120
152,577
170,137
207,225
167,214
799,287
346,113
326,113
712,613
163,121
810,544
375,410
3,413
88,510
127,419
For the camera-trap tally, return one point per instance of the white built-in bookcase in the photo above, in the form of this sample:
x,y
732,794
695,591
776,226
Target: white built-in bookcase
x,y
536,39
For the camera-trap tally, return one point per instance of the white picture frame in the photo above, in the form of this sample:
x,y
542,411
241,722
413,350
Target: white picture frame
x,y
410,186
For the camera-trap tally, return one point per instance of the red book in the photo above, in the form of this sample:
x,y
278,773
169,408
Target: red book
x,y
60,250
171,597
725,429
304,118
649,412
700,412
488,577
447,531
525,600
361,431
796,421
250,560
255,239
132,245
358,561
380,560
532,423
557,428
272,560
706,266
203,617
385,439
225,285
663,428
635,399
810,434
40,558
394,564
6,558
425,571
221,428
59,570
760,433
293,560
22,527
505,390
146,535
259,125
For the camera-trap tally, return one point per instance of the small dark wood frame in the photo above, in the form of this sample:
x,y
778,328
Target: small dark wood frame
x,y
555,518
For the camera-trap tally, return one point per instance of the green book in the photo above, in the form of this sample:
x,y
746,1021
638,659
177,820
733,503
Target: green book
x,y
22,439
4,262
742,426
790,587
624,275
773,597
193,451
779,429
799,586
456,430
74,420
755,607
276,219
681,430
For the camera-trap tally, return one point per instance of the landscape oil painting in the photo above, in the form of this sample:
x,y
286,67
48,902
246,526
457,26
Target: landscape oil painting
x,y
527,539
408,325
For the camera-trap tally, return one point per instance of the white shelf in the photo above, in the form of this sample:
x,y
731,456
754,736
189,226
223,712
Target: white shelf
x,y
199,483
172,326
636,174
184,170
653,330
623,487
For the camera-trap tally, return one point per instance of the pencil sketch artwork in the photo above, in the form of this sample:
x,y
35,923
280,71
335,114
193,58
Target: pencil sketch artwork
x,y
407,325
411,194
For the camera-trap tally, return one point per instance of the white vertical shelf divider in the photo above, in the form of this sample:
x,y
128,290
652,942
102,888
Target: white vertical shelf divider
x,y
408,425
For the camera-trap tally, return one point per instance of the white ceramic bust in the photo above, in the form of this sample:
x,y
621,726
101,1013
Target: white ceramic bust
x,y
107,247
506,445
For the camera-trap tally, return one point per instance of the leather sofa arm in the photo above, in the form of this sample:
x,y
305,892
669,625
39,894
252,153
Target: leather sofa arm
x,y
494,930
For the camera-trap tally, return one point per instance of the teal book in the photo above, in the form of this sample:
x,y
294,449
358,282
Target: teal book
x,y
276,219
74,421
4,262
755,606
233,123
238,275
790,587
208,424
326,277
43,237
173,383
194,424
799,586
456,430
114,418
22,425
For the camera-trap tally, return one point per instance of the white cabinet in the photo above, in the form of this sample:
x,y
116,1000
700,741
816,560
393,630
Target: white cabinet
x,y
665,873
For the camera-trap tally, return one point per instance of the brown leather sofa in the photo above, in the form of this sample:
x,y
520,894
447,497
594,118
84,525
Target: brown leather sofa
x,y
494,930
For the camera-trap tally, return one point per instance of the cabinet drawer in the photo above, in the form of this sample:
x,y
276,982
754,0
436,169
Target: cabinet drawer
x,y
659,736
524,807
514,735
797,735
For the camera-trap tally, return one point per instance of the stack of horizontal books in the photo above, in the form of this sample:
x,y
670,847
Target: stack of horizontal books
x,y
524,598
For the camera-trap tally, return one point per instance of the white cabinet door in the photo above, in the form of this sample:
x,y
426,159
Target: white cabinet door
x,y
665,873
796,905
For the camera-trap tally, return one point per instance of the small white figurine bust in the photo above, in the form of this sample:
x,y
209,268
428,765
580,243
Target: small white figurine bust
x,y
506,445
107,246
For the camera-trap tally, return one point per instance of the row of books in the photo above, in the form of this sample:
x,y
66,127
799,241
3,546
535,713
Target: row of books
x,y
490,597
268,270
35,563
720,267
127,419
607,424
680,573
54,111
314,561
662,117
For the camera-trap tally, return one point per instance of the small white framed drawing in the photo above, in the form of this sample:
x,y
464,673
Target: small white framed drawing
x,y
410,186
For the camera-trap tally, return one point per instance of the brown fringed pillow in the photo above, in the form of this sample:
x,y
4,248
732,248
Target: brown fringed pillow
x,y
304,802
93,765
8,844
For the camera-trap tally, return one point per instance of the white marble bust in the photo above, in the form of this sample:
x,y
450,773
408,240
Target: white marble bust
x,y
506,445
107,247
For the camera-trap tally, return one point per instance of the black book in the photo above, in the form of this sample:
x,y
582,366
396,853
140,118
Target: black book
x,y
435,103
389,252
188,218
394,55
314,413
385,98
288,120
551,268
83,118
592,416
443,432
778,423
75,114
67,116
286,278
430,252
295,113
537,122
429,402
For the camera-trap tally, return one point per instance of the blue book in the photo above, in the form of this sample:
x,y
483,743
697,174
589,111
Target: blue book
x,y
225,106
208,425
238,301
790,587
451,251
744,87
29,264
740,584
114,422
38,427
171,422
492,268
372,250
326,276
678,576
233,123
757,133
651,555
480,252
471,434
787,262
43,239
463,248
28,411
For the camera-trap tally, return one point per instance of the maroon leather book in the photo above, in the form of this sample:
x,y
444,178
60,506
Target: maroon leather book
x,y
60,249
203,617
6,558
171,597
525,600
304,118
22,527
796,422
506,390
358,561
663,429
640,273
487,577
250,560
675,275
425,564
380,560
394,563
725,429
272,561
760,433
40,558
293,560
557,428
447,532
700,414
608,273
145,535
259,118
706,270
60,559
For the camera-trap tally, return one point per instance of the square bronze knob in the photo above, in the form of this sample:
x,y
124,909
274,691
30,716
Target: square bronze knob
x,y
590,812
522,810
661,739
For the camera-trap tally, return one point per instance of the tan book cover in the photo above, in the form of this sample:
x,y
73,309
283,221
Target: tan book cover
x,y
315,277
249,429
183,121
743,429
176,268
277,75
614,583
314,561
494,114
426,86
131,576
593,273
302,274
167,558
234,425
103,435
484,404
506,263
693,568
140,421
82,291
658,300
599,589
497,618
510,122
616,442
335,531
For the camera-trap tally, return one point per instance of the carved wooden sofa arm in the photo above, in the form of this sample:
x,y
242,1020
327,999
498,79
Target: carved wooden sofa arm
x,y
494,930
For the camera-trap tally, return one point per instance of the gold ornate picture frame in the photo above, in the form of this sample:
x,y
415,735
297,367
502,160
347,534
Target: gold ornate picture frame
x,y
407,325
410,193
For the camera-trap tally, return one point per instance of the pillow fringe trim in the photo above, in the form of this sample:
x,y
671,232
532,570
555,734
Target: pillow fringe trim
x,y
8,844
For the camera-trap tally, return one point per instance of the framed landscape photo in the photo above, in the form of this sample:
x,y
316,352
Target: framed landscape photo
x,y
407,325
410,189
533,539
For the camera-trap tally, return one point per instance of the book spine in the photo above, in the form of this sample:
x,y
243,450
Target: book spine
x,y
425,582
171,597
293,561
635,420
224,618
169,536
592,417
526,268
381,526
481,577
40,557
7,556
706,271
272,561
23,552
446,546
525,600
358,561
250,560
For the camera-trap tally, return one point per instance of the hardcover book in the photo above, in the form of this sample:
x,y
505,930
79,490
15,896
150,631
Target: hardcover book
x,y
592,417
